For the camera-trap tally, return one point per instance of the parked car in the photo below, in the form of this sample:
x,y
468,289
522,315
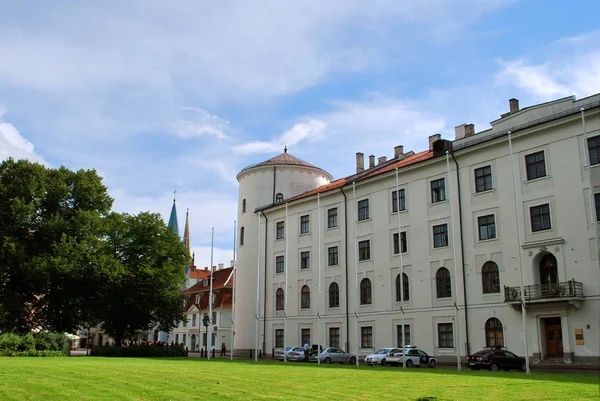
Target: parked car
x,y
494,359
279,353
332,355
295,354
381,356
412,356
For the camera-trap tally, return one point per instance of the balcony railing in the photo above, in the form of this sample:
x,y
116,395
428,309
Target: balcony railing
x,y
566,290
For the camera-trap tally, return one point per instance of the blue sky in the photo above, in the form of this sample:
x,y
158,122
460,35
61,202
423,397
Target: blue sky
x,y
158,95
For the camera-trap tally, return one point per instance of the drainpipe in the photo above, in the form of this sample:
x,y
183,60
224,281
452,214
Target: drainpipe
x,y
265,300
274,180
346,264
462,253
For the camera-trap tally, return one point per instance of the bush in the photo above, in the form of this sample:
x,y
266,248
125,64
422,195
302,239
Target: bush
x,y
155,351
39,344
9,343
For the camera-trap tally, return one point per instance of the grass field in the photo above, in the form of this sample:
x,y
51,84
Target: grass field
x,y
90,378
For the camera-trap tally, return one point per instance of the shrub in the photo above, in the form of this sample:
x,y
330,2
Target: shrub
x,y
139,351
9,343
39,344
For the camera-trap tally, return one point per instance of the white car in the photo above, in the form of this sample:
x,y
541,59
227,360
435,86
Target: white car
x,y
279,353
381,356
413,357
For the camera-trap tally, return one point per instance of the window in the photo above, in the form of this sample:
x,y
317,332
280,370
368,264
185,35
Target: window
x,y
212,339
185,321
184,339
304,224
364,250
540,217
214,319
490,278
332,256
597,202
279,299
305,260
395,200
363,209
305,336
279,338
404,290
244,206
494,336
242,236
305,297
406,335
487,227
193,320
536,165
334,295
445,335
365,291
366,335
279,264
442,280
332,218
594,150
438,190
279,198
280,232
176,338
334,336
440,236
483,179
402,239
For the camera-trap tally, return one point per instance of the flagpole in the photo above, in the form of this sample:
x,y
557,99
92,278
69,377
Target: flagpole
x,y
454,262
233,294
319,280
285,293
356,271
523,308
210,297
257,287
401,272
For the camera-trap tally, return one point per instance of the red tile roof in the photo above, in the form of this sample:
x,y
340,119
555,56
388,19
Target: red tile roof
x,y
199,274
219,279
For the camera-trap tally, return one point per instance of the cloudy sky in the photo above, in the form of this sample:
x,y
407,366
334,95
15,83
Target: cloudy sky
x,y
160,95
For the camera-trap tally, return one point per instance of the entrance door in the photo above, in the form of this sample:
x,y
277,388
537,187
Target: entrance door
x,y
554,345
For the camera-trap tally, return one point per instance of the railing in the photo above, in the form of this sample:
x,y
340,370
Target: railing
x,y
568,289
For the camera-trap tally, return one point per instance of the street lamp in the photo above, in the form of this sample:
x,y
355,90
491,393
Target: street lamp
x,y
206,323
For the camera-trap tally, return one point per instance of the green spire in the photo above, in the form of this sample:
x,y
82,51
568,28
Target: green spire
x,y
173,218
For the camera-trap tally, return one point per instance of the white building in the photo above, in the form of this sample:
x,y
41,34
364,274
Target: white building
x,y
461,245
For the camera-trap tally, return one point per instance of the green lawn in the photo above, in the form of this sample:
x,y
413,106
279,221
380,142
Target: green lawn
x,y
91,378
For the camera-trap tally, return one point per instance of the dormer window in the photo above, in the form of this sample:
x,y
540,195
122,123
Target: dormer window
x,y
279,198
205,283
198,298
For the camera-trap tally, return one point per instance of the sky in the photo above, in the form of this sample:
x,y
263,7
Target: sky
x,y
164,95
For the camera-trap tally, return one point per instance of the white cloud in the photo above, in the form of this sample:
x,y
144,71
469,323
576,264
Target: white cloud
x,y
15,145
200,122
310,130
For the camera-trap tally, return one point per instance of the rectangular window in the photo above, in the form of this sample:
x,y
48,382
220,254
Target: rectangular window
x,y
332,218
445,335
184,339
305,336
438,190
280,232
540,217
487,227
177,339
332,253
363,209
406,335
334,337
402,239
364,250
597,202
279,337
483,179
594,150
305,260
395,200
213,336
366,336
536,165
185,321
214,318
279,264
194,320
440,236
304,224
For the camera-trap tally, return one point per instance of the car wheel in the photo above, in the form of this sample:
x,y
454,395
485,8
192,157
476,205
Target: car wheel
x,y
383,362
432,363
352,361
523,367
409,363
493,367
327,360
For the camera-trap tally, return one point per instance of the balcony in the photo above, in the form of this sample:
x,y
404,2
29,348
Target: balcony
x,y
569,291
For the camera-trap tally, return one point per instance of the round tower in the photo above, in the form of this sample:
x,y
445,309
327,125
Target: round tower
x,y
263,184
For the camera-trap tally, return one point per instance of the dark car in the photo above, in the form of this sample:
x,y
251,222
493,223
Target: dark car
x,y
494,359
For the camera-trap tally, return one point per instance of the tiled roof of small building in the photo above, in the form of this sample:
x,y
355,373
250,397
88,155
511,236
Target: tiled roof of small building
x,y
284,159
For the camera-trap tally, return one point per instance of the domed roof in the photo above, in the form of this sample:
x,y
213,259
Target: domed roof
x,y
284,159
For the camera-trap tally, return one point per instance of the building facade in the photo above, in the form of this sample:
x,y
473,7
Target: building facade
x,y
322,259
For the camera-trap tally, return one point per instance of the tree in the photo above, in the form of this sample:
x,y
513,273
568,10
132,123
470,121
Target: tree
x,y
144,283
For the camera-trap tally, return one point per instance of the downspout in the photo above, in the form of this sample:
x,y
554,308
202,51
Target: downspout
x,y
274,180
265,300
346,263
462,253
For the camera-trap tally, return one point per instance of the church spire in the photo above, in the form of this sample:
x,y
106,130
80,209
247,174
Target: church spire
x,y
186,233
173,217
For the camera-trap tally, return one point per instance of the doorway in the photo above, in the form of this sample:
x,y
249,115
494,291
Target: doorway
x,y
553,331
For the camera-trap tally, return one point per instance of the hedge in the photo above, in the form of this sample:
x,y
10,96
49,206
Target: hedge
x,y
138,351
38,344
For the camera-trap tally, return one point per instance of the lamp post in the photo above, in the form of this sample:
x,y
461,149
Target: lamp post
x,y
206,323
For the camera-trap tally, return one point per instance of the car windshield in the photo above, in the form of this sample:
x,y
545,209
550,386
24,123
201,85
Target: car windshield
x,y
481,353
383,351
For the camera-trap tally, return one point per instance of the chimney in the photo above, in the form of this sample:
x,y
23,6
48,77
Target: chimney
x,y
205,268
371,161
221,266
514,105
381,160
360,162
460,131
432,139
214,269
469,129
398,151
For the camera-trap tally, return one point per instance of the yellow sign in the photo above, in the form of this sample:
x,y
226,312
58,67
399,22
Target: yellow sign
x,y
579,336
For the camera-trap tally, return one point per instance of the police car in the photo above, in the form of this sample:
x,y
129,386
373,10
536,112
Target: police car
x,y
380,357
412,356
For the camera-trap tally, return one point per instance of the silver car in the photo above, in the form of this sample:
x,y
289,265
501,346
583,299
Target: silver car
x,y
332,355
381,356
295,354
279,354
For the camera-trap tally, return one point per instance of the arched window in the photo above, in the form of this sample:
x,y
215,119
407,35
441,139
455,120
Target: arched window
x,y
242,236
244,206
279,198
404,290
305,297
494,336
334,295
365,291
490,278
442,279
279,299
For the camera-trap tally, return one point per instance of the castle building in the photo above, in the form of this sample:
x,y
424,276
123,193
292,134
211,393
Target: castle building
x,y
438,247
